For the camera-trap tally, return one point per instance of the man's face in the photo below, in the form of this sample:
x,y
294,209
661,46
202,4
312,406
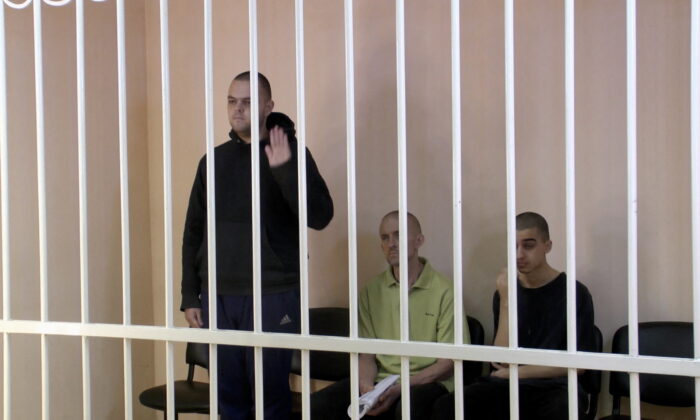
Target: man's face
x,y
531,250
389,236
239,108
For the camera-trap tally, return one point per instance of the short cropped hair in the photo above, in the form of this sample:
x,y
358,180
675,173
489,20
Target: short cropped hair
x,y
263,83
529,219
412,219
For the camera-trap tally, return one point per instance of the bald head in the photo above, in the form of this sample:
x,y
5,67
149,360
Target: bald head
x,y
263,83
412,222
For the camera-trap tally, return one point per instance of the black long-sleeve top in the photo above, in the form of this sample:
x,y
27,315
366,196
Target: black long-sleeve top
x,y
279,221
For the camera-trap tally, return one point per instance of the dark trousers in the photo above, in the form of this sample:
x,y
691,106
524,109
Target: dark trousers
x,y
332,402
280,313
489,399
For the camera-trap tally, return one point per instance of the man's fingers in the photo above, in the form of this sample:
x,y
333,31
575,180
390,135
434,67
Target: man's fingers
x,y
275,136
193,316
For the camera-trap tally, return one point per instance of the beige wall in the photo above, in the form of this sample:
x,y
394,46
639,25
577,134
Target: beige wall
x,y
664,238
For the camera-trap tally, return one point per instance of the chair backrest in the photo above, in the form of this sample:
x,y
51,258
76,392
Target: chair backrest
x,y
590,379
667,339
326,365
473,369
197,354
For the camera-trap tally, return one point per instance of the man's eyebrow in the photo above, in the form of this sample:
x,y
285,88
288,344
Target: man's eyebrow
x,y
530,240
233,97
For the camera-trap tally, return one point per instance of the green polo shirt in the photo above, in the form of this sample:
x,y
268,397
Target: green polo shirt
x,y
430,307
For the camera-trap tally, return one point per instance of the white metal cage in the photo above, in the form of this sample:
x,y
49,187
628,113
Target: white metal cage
x,y
127,331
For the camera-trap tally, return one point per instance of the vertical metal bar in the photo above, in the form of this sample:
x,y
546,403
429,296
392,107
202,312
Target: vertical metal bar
x,y
170,380
82,202
570,134
403,229
631,18
695,174
457,201
123,165
510,200
5,214
211,209
41,184
352,198
167,206
301,181
124,195
255,180
167,159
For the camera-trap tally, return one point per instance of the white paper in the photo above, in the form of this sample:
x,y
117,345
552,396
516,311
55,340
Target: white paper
x,y
369,399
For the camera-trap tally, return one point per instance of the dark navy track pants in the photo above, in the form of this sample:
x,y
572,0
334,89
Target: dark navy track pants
x,y
280,313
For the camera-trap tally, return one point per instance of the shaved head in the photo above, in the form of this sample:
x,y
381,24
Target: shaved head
x,y
263,83
530,220
412,222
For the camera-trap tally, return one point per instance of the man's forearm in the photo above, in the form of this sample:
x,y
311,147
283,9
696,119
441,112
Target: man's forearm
x,y
534,371
501,337
368,371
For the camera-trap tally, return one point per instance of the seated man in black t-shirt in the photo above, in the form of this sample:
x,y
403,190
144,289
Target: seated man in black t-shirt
x,y
541,324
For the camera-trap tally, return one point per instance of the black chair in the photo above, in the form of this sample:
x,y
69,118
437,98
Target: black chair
x,y
471,370
324,365
667,339
590,382
190,396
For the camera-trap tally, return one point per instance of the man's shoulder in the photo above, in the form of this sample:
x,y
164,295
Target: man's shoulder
x,y
437,279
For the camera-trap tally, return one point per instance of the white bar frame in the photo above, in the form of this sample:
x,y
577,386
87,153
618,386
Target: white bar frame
x,y
41,200
510,201
211,208
570,135
255,181
301,182
5,215
352,201
456,100
167,206
403,201
571,359
581,360
82,203
695,176
124,203
632,309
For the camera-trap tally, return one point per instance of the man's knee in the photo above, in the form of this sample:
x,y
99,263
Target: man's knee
x,y
332,401
444,407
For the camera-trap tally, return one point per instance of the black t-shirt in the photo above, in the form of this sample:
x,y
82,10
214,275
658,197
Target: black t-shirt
x,y
542,316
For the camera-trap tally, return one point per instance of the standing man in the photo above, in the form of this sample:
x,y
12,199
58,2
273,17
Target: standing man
x,y
279,238
431,318
541,306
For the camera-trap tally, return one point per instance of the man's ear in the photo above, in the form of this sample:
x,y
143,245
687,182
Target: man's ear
x,y
269,106
548,246
420,240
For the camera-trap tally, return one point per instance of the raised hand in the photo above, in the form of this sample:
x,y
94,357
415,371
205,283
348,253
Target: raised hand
x,y
278,151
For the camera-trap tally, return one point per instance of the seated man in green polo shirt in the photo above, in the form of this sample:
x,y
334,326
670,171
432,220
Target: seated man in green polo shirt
x,y
430,319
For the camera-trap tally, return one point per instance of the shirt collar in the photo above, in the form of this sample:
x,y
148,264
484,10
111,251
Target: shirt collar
x,y
423,281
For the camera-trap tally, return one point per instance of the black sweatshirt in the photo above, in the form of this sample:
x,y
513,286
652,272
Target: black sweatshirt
x,y
278,217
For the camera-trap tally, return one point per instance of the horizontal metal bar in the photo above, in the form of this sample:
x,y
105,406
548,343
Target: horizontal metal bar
x,y
578,360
